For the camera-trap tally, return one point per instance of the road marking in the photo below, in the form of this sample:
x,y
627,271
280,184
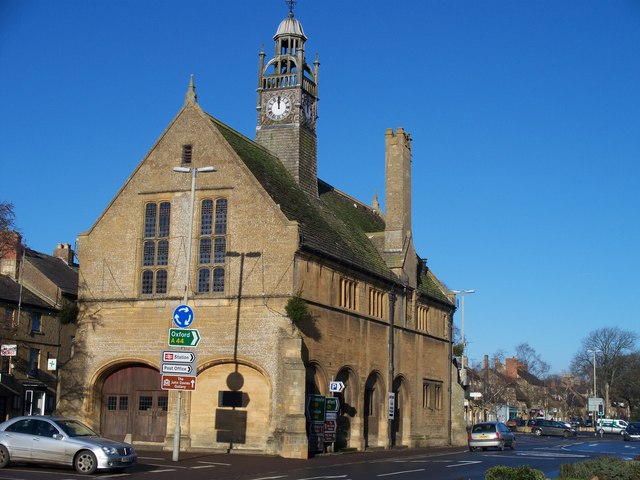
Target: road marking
x,y
163,470
269,478
164,465
202,466
320,478
534,454
464,463
400,473
216,463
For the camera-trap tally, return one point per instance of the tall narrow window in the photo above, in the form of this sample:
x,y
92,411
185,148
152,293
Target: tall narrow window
x,y
36,322
187,154
348,294
213,245
8,317
155,248
422,318
376,303
432,394
34,361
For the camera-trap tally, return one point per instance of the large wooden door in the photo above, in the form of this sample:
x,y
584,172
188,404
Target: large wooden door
x,y
150,417
133,404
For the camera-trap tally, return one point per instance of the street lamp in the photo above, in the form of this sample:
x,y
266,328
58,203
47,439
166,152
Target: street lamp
x,y
194,172
462,293
595,395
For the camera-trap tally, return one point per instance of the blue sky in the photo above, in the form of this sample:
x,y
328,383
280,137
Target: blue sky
x,y
525,119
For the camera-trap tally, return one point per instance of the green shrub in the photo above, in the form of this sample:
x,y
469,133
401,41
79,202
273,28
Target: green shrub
x,y
603,468
523,472
296,308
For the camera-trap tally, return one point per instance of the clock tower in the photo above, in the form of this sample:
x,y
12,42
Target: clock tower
x,y
288,104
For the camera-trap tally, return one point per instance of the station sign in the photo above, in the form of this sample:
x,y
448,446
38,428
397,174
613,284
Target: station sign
x,y
179,362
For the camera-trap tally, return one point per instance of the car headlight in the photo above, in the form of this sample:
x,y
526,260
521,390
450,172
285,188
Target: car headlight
x,y
110,450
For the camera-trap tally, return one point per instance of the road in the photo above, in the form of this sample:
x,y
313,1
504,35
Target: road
x,y
450,463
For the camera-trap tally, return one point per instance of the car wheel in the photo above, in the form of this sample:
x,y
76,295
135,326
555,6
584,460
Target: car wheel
x,y
501,447
538,432
471,449
567,434
4,456
85,462
513,445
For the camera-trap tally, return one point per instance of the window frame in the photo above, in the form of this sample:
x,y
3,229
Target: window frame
x,y
155,248
212,245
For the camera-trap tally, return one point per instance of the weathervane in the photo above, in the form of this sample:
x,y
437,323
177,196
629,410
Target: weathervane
x,y
291,3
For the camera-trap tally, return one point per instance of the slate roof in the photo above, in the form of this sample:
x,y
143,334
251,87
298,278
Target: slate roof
x,y
335,225
62,275
10,293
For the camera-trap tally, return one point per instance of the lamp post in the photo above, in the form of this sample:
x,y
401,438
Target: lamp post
x,y
194,172
462,293
595,395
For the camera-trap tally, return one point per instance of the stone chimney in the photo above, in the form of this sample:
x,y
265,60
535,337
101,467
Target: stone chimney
x,y
398,190
511,367
10,253
64,253
485,362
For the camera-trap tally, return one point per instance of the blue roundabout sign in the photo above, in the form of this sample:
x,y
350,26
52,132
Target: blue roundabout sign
x,y
183,316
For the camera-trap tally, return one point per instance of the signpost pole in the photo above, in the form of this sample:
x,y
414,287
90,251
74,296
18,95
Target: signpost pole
x,y
194,172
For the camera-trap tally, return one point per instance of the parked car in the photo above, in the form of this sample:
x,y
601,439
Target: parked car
x,y
610,425
63,441
491,434
512,423
551,427
576,422
632,432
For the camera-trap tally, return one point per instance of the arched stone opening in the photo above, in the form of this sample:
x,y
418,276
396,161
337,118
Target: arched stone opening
x,y
132,405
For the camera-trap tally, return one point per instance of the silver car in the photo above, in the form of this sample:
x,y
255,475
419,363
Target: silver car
x,y
491,434
63,441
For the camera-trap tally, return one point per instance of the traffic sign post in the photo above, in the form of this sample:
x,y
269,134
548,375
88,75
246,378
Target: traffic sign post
x,y
178,382
181,337
183,316
336,387
180,362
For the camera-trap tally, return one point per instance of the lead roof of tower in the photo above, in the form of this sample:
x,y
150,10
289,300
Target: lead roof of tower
x,y
290,26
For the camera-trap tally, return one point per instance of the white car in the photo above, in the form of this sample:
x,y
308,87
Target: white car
x,y
62,441
608,425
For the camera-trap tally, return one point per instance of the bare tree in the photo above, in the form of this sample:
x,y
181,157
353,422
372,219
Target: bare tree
x,y
609,346
526,354
7,227
628,387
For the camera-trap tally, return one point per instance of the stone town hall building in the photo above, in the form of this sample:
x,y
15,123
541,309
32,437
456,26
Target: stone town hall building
x,y
266,236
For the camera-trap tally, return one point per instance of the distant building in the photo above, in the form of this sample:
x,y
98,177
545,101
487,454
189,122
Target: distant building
x,y
293,285
37,304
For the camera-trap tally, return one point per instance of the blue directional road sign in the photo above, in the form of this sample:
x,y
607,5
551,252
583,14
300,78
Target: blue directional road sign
x,y
183,316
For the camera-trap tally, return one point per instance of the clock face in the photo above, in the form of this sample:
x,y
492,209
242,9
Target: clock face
x,y
278,107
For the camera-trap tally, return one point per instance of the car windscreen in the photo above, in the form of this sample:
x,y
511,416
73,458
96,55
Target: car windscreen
x,y
483,428
75,429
